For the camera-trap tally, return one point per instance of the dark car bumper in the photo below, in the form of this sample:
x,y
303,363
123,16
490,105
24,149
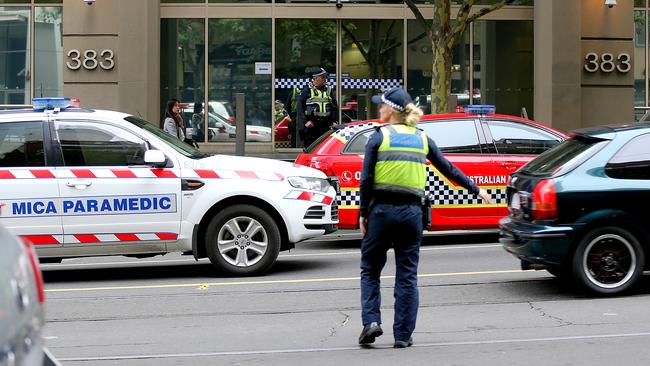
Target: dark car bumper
x,y
536,244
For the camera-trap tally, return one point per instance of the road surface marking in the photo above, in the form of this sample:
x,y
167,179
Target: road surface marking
x,y
357,348
272,282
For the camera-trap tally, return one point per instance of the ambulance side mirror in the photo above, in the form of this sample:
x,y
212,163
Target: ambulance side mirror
x,y
155,158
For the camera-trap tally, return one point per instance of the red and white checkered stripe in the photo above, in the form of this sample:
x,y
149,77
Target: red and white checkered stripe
x,y
309,196
85,173
231,174
136,173
98,238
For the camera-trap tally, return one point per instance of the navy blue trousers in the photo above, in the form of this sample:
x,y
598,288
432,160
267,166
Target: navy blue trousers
x,y
401,226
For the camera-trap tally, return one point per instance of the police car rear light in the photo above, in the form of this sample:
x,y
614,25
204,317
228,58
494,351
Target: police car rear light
x,y
544,199
50,103
480,109
75,103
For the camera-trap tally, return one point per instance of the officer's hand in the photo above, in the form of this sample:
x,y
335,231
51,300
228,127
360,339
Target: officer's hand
x,y
363,222
485,196
309,124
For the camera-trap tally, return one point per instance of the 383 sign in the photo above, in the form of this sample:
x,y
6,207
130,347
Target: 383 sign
x,y
608,62
90,59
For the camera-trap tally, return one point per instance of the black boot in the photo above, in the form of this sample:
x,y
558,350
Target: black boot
x,y
370,332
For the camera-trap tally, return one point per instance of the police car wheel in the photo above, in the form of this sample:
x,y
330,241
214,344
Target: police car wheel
x,y
608,260
243,240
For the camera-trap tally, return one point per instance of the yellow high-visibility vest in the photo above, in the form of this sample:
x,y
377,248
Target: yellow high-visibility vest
x,y
402,160
319,102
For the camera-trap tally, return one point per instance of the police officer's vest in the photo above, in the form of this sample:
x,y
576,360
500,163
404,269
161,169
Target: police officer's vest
x,y
294,98
319,102
401,160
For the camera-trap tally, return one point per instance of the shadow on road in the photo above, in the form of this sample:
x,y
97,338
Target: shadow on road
x,y
429,239
160,270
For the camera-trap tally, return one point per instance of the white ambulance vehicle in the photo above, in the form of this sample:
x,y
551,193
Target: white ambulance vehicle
x,y
80,182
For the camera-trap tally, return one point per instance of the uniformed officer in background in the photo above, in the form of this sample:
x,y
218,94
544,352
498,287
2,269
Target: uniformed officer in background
x,y
316,108
392,195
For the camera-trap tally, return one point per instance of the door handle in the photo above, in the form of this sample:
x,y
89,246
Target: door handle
x,y
79,184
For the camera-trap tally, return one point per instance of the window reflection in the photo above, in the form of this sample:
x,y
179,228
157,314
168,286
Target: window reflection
x,y
639,58
503,64
48,30
15,73
300,46
371,61
420,63
182,65
239,60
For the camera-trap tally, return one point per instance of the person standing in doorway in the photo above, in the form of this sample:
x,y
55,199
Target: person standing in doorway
x,y
392,202
316,108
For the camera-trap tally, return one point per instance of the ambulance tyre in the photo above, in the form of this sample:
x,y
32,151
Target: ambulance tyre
x,y
242,240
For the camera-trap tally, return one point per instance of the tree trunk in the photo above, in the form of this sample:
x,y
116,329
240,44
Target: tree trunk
x,y
440,79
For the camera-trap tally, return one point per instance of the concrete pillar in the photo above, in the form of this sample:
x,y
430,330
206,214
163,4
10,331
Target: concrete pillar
x,y
130,30
566,95
557,62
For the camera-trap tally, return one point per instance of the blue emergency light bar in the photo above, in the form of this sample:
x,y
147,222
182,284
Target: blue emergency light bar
x,y
480,109
50,103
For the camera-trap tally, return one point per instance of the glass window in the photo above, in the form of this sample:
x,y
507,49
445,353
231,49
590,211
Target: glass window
x,y
453,136
48,59
632,161
239,1
239,54
182,64
639,58
94,143
420,58
300,46
357,145
15,73
21,144
517,138
371,61
503,64
565,157
639,3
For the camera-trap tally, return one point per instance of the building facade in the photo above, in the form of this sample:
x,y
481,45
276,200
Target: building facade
x,y
568,64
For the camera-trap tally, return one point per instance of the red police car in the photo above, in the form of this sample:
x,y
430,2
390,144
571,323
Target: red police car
x,y
486,146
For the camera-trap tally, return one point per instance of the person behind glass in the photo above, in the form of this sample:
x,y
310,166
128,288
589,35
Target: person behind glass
x,y
392,192
317,109
173,121
198,127
292,106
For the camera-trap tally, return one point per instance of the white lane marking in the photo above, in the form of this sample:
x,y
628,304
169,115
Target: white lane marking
x,y
288,255
306,350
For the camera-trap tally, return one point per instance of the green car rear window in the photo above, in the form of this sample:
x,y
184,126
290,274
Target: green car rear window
x,y
564,157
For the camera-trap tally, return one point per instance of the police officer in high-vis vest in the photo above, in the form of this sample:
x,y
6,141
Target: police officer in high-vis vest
x,y
392,191
316,109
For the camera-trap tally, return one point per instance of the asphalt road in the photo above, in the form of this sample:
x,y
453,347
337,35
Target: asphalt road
x,y
476,308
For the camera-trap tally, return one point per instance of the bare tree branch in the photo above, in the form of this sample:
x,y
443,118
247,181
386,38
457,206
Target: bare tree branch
x,y
423,22
354,39
488,10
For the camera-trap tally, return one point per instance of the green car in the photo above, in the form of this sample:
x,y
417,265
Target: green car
x,y
580,210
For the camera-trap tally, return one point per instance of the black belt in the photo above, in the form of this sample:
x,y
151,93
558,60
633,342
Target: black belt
x,y
396,198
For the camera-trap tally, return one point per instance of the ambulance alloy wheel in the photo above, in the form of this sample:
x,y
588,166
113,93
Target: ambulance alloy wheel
x,y
243,240
608,260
